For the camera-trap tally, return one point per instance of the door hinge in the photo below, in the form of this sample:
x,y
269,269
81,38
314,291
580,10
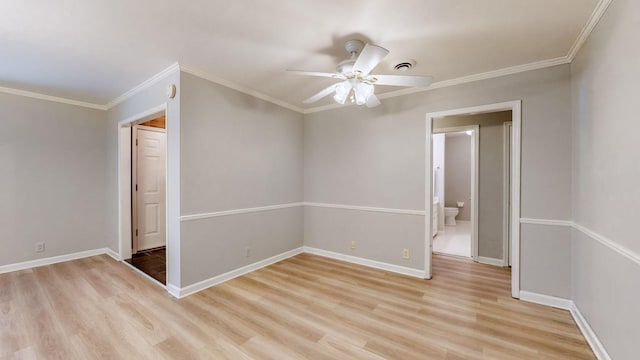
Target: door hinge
x,y
136,142
136,232
136,187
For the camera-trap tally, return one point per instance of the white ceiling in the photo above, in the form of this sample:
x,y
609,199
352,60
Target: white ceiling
x,y
94,51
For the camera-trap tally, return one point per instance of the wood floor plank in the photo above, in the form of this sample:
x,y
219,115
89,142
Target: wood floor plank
x,y
305,307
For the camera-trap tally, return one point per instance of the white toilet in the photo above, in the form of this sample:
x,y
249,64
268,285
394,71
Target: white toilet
x,y
450,214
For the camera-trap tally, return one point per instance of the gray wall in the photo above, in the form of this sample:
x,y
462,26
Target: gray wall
x,y
52,178
490,177
236,152
375,157
606,174
457,170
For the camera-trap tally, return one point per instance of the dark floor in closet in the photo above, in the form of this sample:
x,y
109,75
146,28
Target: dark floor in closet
x,y
151,262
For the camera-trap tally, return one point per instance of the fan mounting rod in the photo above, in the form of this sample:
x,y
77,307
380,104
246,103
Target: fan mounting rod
x,y
353,47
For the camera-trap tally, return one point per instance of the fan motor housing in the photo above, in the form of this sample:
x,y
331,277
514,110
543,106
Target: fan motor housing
x,y
345,66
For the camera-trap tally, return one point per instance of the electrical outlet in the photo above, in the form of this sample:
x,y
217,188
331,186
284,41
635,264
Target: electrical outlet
x,y
405,254
247,251
353,245
40,247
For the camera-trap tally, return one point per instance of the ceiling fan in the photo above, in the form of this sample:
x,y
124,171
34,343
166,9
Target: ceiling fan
x,y
357,81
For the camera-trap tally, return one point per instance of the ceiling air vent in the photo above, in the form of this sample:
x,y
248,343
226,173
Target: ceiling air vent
x,y
405,65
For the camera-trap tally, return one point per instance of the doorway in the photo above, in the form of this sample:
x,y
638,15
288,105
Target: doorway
x,y
455,171
514,184
143,194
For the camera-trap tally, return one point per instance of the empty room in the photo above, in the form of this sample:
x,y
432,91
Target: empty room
x,y
319,180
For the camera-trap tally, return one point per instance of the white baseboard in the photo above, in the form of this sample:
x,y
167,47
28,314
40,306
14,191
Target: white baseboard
x,y
113,254
566,304
366,262
204,284
173,290
547,300
587,331
490,261
52,260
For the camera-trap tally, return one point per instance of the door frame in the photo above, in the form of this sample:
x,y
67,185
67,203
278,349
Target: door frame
x,y
475,168
506,194
516,120
172,190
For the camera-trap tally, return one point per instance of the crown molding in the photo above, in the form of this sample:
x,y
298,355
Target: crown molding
x,y
57,99
226,83
144,85
596,15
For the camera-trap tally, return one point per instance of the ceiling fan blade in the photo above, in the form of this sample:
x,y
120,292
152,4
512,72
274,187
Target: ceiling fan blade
x,y
316,73
401,80
324,92
370,56
372,101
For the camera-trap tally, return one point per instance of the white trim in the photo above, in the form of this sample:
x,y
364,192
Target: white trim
x,y
57,99
237,211
459,81
588,333
144,115
113,254
53,260
428,199
629,254
231,85
595,17
566,304
506,190
516,121
490,261
204,284
547,300
366,262
173,290
546,222
367,208
516,149
144,85
463,221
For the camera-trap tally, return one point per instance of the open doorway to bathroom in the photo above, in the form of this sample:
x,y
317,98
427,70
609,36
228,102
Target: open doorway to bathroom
x,y
496,200
455,185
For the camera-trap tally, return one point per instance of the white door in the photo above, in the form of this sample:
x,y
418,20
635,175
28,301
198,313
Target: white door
x,y
150,188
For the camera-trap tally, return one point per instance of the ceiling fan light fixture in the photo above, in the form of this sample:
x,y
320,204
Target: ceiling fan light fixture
x,y
357,81
342,92
362,92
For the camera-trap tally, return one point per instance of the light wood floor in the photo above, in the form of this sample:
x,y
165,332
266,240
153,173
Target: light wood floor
x,y
306,307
